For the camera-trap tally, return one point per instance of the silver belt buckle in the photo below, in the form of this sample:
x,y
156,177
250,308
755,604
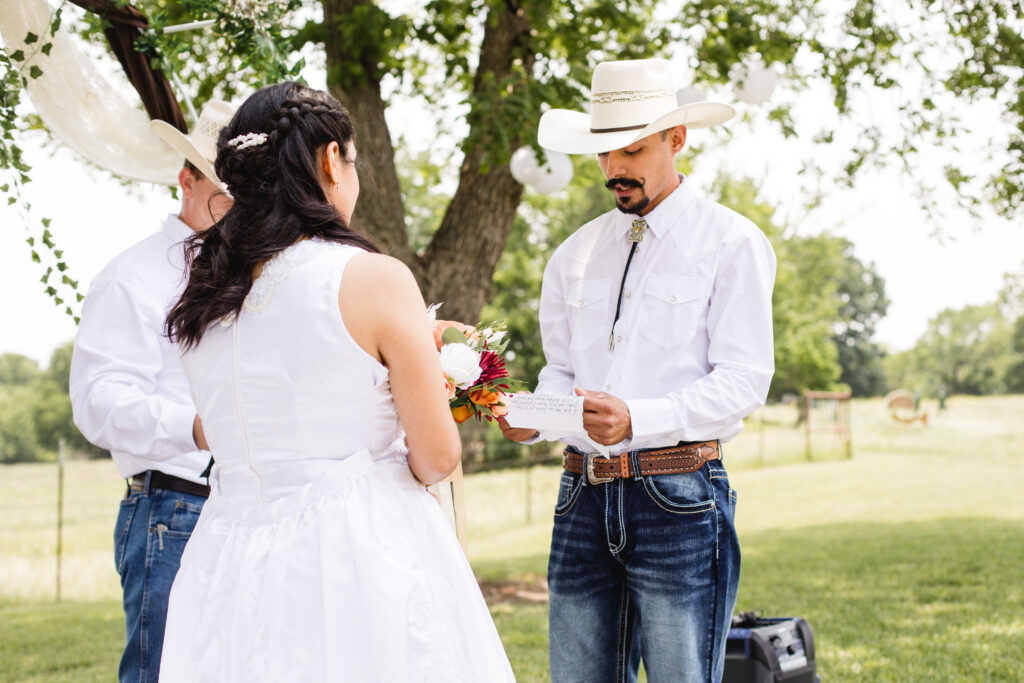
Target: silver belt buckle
x,y
591,477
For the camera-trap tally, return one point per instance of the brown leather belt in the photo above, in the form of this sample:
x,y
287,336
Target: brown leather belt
x,y
601,469
168,482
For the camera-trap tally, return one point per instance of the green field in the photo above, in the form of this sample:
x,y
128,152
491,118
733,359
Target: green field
x,y
908,560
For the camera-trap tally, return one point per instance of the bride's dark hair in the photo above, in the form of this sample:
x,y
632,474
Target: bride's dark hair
x,y
268,158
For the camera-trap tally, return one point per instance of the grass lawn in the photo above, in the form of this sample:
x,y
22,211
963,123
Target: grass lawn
x,y
907,561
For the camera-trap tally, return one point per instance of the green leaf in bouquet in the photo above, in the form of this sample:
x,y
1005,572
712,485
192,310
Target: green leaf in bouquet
x,y
452,335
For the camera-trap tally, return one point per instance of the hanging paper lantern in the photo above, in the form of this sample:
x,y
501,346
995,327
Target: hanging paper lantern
x,y
753,81
554,175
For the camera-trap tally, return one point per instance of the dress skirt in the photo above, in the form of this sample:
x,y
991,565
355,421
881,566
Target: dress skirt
x,y
327,570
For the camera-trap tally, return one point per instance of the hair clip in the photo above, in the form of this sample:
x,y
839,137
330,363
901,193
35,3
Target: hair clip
x,y
247,140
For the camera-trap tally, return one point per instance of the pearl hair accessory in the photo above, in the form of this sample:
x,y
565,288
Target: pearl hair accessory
x,y
247,140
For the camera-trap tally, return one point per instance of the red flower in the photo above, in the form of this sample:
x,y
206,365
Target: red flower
x,y
492,367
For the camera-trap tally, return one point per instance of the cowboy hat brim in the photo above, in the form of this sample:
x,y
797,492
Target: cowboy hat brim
x,y
180,142
562,130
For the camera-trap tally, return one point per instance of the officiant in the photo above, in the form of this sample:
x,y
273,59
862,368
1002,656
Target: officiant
x,y
130,396
657,313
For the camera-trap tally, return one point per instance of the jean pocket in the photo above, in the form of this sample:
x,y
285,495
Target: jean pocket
x,y
686,493
732,501
184,517
568,492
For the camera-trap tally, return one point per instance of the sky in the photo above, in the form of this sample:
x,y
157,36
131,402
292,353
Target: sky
x,y
927,266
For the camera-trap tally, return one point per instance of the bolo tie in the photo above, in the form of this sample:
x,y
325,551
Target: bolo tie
x,y
636,236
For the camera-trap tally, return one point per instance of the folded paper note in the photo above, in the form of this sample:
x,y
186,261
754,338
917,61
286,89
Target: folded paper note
x,y
550,413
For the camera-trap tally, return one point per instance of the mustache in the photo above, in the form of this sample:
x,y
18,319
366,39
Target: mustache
x,y
625,183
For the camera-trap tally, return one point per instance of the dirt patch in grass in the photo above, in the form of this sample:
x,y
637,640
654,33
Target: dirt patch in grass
x,y
529,588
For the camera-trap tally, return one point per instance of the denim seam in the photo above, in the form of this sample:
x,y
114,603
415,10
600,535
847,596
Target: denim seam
x,y
662,502
621,662
712,645
122,540
622,524
143,612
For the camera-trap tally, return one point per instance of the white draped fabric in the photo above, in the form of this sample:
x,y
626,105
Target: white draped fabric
x,y
80,106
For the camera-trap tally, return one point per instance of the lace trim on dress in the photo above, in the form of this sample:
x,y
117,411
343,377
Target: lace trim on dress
x,y
274,271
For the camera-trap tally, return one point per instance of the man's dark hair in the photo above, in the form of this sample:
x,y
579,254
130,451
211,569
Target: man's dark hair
x,y
194,170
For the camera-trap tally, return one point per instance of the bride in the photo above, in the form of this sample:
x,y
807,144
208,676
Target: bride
x,y
320,556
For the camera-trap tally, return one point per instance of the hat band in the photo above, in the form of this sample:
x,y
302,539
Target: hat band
x,y
618,130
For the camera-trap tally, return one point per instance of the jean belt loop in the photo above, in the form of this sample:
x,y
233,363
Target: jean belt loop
x,y
149,475
634,464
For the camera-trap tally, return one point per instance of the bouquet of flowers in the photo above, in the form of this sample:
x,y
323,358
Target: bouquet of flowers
x,y
473,363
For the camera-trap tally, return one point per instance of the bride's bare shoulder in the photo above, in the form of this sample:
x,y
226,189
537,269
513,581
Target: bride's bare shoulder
x,y
373,276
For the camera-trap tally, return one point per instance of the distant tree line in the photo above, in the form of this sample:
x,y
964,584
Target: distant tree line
x,y
971,350
35,411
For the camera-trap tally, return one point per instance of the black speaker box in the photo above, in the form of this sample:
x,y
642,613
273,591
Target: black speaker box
x,y
769,650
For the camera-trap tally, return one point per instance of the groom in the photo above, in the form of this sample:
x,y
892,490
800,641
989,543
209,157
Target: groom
x,y
129,395
658,314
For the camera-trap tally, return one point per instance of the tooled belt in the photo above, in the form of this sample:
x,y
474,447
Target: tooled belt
x,y
600,469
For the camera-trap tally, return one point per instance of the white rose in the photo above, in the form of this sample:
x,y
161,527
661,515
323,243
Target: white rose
x,y
460,364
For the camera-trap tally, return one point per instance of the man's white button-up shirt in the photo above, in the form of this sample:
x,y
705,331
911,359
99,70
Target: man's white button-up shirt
x,y
129,393
693,352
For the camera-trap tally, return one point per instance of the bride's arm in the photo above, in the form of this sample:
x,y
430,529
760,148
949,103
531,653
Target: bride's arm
x,y
384,312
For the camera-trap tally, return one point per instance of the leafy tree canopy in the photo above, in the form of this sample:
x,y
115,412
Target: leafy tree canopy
x,y
486,69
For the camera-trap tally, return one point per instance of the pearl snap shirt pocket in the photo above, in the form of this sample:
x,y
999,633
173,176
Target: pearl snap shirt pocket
x,y
587,303
674,304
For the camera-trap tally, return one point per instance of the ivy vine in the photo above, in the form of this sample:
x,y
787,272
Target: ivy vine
x,y
248,33
16,69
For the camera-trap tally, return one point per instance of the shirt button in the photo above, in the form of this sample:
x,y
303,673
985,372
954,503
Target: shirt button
x,y
618,338
671,298
629,294
608,387
580,302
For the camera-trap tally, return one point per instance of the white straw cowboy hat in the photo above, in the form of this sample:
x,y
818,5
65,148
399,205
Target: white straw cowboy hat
x,y
629,100
200,145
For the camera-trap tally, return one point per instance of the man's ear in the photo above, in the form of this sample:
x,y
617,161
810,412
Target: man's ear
x,y
187,181
677,139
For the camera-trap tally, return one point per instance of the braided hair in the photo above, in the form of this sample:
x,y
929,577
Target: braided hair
x,y
268,158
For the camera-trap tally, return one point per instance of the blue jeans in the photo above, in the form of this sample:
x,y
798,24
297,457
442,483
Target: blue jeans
x,y
152,529
644,568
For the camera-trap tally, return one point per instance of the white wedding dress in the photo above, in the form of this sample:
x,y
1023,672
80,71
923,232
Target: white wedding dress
x,y
318,556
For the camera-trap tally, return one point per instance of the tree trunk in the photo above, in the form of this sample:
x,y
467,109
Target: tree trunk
x,y
380,211
461,259
458,265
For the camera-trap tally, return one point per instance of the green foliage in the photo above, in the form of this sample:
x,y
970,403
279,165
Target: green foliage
x,y
17,370
862,305
35,410
965,351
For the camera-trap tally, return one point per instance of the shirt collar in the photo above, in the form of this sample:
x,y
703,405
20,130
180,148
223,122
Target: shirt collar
x,y
176,229
662,217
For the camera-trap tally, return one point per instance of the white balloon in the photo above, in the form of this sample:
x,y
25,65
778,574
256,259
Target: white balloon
x,y
752,81
554,175
524,165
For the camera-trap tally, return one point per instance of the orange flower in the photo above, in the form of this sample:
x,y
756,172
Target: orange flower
x,y
483,397
449,386
463,412
500,407
441,325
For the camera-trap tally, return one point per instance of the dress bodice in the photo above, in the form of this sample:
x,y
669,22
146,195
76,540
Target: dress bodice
x,y
284,381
